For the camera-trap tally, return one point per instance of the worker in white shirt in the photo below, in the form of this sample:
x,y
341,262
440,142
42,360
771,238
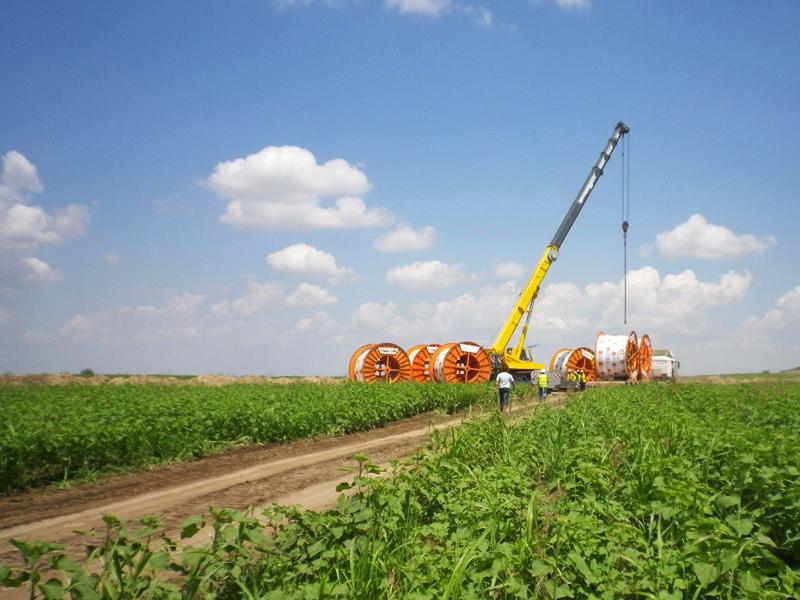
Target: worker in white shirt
x,y
504,382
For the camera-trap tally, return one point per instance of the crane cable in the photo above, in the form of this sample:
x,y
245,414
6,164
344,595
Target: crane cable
x,y
626,206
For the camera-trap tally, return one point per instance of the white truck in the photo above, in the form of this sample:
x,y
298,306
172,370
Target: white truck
x,y
665,366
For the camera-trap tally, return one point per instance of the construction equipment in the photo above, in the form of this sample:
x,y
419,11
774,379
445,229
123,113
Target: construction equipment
x,y
516,358
467,362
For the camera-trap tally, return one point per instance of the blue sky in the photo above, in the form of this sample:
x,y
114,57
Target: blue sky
x,y
261,187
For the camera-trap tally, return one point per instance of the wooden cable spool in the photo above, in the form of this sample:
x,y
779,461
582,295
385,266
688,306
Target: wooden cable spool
x,y
380,362
420,358
462,362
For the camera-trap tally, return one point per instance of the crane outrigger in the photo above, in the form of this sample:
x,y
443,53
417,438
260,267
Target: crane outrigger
x,y
516,359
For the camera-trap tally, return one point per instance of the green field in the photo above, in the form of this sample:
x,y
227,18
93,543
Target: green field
x,y
653,491
55,433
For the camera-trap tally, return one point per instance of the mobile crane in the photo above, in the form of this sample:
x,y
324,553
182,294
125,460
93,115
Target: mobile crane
x,y
516,358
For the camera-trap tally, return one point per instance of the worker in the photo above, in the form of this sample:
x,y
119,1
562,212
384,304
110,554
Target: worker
x,y
571,379
581,380
541,382
504,382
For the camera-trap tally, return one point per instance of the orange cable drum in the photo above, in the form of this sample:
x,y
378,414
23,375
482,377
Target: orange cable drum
x,y
559,355
420,358
566,360
351,368
463,362
617,356
382,362
645,357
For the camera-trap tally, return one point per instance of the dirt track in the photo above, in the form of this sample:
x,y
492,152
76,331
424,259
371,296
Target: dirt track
x,y
304,472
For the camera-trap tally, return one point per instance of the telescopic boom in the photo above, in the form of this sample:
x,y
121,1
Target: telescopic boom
x,y
513,358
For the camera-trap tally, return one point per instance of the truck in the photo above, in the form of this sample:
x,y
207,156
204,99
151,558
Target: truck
x,y
665,366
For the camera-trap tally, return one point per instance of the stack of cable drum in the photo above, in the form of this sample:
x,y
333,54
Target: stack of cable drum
x,y
614,357
460,362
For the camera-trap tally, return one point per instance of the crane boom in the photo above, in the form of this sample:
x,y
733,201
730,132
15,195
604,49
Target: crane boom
x,y
513,358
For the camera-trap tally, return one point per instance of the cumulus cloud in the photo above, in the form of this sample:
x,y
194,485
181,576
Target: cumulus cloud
x,y
405,239
565,313
426,275
308,294
474,316
697,238
38,271
570,4
178,317
509,269
283,187
319,322
428,8
480,15
255,299
675,302
783,317
184,302
25,226
303,259
373,314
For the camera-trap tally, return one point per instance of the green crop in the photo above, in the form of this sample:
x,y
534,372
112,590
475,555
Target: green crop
x,y
660,492
59,432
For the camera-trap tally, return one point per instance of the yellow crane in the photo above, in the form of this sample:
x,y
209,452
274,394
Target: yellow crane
x,y
516,358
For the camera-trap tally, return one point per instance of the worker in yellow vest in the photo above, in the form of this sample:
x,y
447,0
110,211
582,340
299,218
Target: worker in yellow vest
x,y
581,376
541,382
571,380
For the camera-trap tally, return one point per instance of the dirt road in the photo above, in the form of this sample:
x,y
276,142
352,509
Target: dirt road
x,y
304,472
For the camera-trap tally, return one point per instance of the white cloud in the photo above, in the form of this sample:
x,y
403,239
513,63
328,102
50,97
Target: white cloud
x,y
509,269
570,4
480,15
257,297
426,275
294,4
185,302
469,316
19,178
783,317
672,303
428,8
566,314
373,314
178,317
319,323
303,259
697,238
23,226
283,187
112,258
405,239
38,271
308,294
